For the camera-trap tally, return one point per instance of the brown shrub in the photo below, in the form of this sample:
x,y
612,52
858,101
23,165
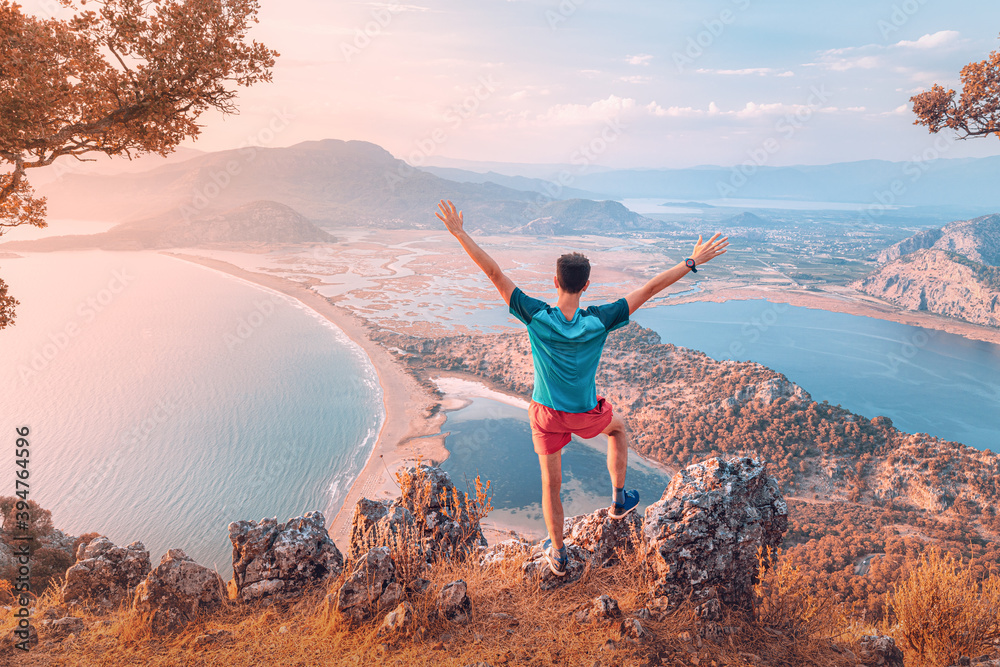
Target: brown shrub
x,y
943,612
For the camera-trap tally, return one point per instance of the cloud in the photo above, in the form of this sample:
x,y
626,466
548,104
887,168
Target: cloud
x,y
898,111
873,56
639,59
931,41
587,113
656,110
758,71
750,110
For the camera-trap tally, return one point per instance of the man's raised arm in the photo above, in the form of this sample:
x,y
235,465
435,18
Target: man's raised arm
x,y
701,254
453,220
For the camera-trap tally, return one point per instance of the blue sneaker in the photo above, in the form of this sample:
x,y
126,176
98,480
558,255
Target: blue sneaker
x,y
556,562
617,511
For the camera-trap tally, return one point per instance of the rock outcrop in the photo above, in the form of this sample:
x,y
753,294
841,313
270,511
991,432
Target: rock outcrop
x,y
703,535
453,603
105,575
880,650
537,568
377,522
176,591
371,588
430,510
603,536
281,560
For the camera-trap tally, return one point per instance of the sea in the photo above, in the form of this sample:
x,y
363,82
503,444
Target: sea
x,y
165,400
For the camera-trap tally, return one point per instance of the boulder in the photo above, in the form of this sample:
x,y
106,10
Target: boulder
x,y
503,551
703,536
105,575
399,619
62,627
377,523
605,608
444,525
537,568
372,587
453,602
176,591
601,608
602,536
880,650
282,560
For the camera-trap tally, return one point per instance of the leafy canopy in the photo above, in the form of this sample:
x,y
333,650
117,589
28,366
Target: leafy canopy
x,y
117,77
975,113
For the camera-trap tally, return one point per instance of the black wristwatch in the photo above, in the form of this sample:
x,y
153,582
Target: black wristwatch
x,y
691,265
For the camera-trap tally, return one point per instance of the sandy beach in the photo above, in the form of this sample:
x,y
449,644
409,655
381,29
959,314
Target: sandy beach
x,y
412,428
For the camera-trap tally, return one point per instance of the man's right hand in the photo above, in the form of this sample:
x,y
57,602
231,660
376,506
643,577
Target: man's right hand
x,y
451,218
713,248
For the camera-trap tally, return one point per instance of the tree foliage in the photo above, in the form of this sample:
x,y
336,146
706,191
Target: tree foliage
x,y
124,77
975,113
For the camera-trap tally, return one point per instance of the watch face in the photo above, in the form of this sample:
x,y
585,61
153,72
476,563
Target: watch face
x,y
690,263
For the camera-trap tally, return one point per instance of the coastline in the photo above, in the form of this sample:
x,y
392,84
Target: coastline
x,y
850,304
411,429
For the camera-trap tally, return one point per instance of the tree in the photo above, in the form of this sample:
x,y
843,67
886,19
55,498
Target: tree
x,y
976,113
128,77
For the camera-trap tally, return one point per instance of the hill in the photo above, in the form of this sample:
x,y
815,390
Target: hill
x,y
583,216
540,185
333,182
953,271
256,222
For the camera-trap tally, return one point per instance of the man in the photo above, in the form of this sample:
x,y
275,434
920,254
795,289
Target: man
x,y
566,346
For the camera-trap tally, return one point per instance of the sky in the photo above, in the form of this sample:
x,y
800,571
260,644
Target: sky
x,y
618,83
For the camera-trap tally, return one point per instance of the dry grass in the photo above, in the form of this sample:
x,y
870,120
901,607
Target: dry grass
x,y
940,612
541,632
513,622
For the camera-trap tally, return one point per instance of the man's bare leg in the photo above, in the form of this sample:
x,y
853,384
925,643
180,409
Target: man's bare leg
x,y
552,508
617,451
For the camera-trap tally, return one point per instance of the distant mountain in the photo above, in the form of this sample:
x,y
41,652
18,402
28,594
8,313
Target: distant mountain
x,y
954,271
540,185
257,222
969,183
583,216
331,182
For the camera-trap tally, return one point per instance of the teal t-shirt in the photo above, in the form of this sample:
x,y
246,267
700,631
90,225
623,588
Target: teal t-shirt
x,y
566,354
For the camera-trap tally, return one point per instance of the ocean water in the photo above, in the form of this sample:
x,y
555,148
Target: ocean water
x,y
166,400
493,440
924,380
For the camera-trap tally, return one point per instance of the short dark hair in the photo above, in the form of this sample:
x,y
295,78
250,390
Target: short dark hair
x,y
573,272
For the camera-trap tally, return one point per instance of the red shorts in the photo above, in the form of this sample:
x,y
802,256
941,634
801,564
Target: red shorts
x,y
551,429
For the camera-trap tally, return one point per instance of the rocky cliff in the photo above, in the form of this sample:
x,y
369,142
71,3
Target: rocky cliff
x,y
941,282
951,271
